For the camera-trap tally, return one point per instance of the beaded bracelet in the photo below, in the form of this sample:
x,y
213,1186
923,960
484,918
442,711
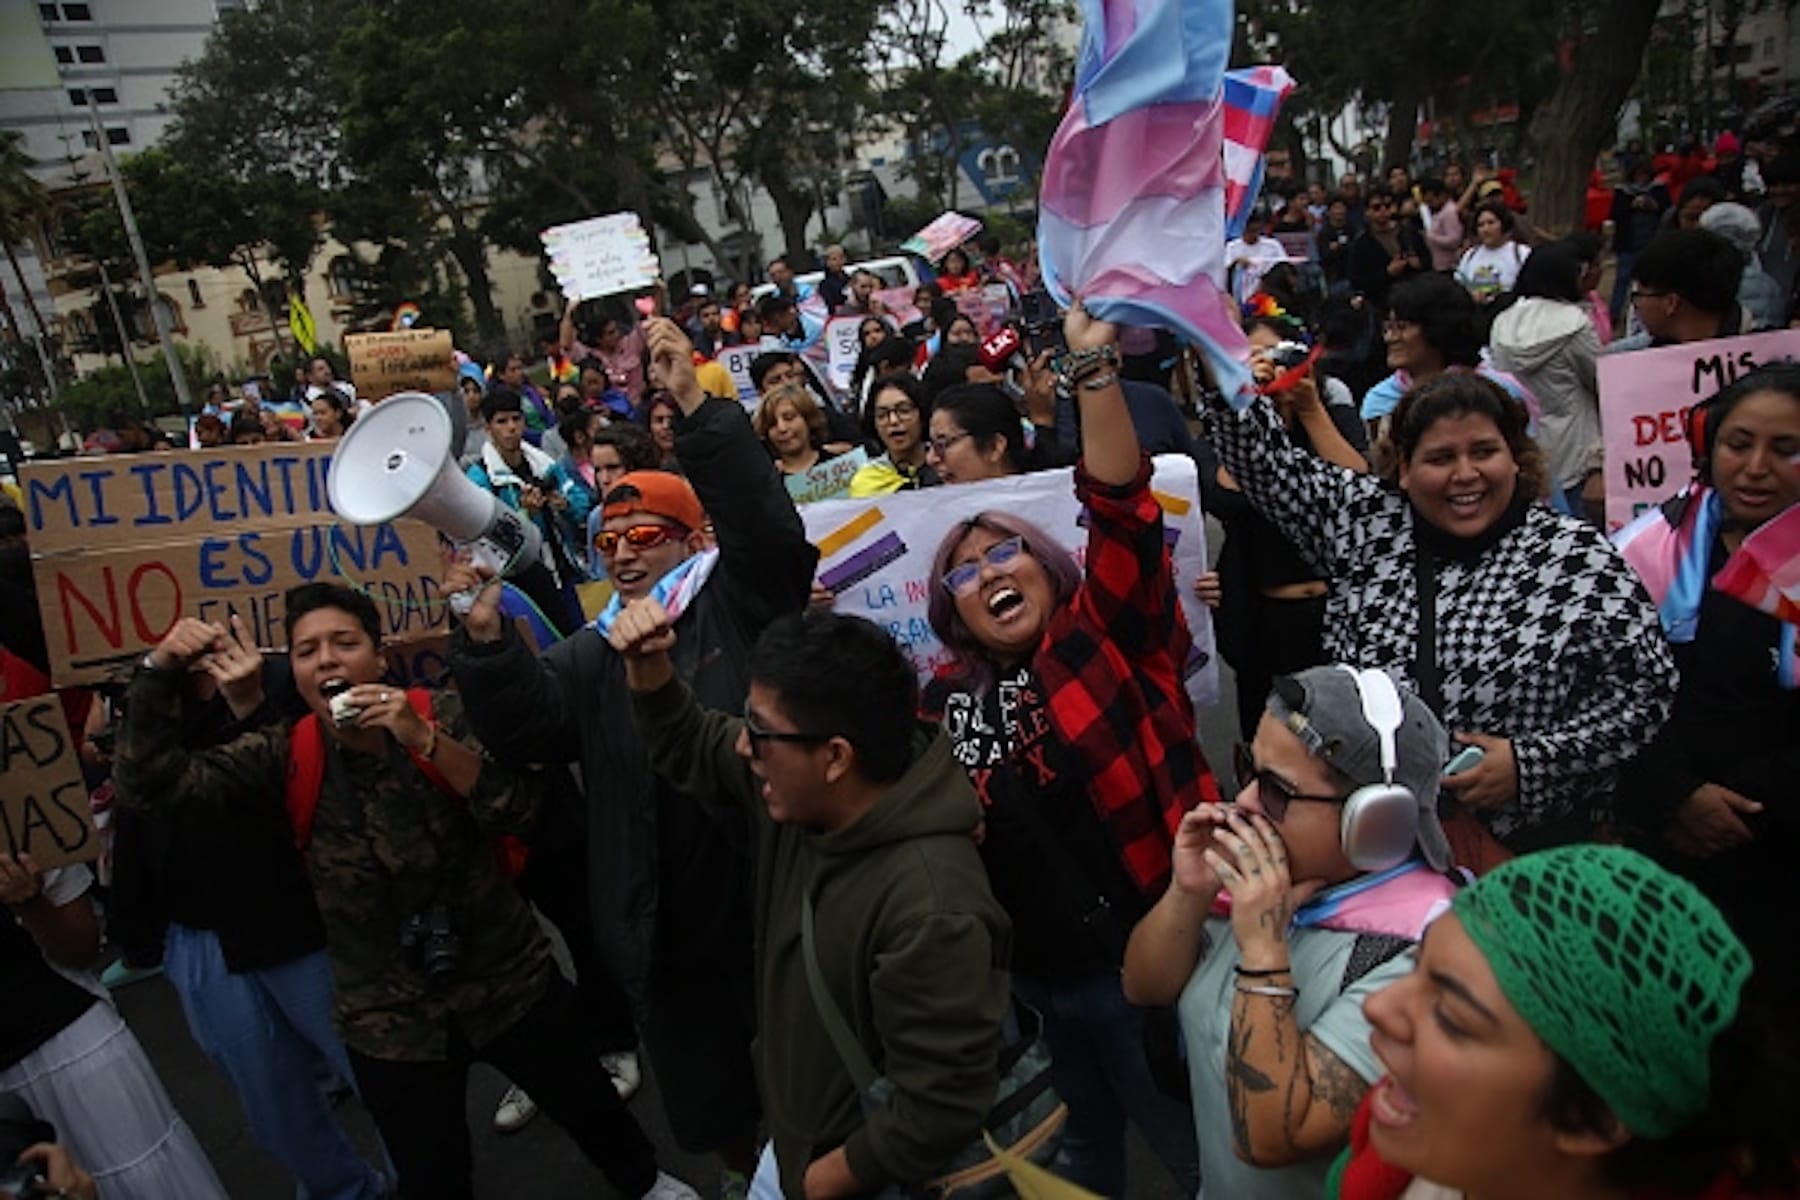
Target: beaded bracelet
x,y
1077,365
1093,381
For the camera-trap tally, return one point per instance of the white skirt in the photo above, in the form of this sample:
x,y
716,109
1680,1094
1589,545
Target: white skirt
x,y
95,1084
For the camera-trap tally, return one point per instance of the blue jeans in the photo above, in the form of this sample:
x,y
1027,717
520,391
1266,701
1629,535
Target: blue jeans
x,y
270,1031
1096,1041
1621,297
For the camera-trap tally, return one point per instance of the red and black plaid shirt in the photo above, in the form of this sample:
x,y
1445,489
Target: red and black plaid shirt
x,y
1111,665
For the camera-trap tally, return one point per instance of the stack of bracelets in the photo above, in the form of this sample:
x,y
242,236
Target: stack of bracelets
x,y
1090,370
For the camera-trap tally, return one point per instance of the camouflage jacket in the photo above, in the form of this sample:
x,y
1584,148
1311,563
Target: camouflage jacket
x,y
386,843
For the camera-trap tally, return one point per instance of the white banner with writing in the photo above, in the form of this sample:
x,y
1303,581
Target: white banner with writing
x,y
876,554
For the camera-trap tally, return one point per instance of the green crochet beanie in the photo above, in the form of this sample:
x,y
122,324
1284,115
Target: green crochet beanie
x,y
1624,969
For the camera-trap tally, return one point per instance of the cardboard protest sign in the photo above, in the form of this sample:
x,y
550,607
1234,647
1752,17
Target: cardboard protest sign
x,y
44,808
942,236
876,554
1645,396
601,256
411,360
827,480
122,547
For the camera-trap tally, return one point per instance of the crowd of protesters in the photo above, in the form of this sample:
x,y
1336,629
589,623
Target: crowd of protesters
x,y
1485,902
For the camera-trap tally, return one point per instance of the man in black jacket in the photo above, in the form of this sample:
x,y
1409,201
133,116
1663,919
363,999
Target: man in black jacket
x,y
668,885
1386,252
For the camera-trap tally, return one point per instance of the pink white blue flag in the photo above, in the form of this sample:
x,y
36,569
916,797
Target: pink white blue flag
x,y
1253,97
1132,214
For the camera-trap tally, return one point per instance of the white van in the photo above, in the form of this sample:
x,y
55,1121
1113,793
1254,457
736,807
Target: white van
x,y
900,270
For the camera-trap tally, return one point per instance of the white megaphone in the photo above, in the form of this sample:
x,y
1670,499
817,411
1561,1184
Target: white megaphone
x,y
398,460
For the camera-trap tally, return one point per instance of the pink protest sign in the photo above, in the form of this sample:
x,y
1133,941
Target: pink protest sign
x,y
1645,396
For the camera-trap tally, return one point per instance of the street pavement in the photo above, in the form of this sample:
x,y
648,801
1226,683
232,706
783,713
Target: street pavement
x,y
538,1161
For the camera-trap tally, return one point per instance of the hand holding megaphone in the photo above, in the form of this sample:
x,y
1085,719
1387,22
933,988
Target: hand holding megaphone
x,y
474,591
398,460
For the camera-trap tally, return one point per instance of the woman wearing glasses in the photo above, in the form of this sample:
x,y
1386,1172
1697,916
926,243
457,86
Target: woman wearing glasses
x,y
976,434
1064,702
895,418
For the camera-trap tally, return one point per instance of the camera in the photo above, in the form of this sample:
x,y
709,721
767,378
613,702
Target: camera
x,y
431,940
1042,321
20,1129
1285,355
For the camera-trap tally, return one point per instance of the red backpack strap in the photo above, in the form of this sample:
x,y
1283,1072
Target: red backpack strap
x,y
510,851
305,776
420,699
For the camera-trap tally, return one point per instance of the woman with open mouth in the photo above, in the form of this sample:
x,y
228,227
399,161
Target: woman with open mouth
x,y
1064,703
1572,1029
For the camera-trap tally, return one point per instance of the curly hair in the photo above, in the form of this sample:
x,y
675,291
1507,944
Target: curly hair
x,y
1445,314
802,402
1457,394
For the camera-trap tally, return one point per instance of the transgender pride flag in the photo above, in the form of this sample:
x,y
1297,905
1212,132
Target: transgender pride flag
x,y
1133,209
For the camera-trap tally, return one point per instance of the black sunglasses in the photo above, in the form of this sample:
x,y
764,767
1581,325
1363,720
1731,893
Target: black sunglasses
x,y
759,735
1272,791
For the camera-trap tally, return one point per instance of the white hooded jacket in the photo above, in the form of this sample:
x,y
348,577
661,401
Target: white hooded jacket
x,y
1551,348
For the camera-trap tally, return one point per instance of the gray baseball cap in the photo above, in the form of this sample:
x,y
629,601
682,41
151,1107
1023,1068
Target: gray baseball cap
x,y
1323,707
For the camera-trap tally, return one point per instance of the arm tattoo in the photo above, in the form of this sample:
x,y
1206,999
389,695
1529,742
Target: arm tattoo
x,y
1334,1082
1241,1079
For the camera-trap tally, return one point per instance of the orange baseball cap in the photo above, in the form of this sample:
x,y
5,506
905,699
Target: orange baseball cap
x,y
659,493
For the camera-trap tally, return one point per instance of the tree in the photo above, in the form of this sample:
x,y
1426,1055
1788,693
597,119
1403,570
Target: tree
x,y
193,216
1604,57
254,142
23,201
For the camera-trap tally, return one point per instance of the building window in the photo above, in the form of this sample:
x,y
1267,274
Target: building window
x,y
195,300
88,140
64,55
106,95
78,96
340,277
91,54
117,136
47,11
77,12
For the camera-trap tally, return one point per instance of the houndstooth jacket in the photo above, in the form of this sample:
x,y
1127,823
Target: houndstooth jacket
x,y
1546,638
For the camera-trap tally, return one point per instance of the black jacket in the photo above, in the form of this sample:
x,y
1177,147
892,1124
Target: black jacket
x,y
231,873
668,886
1369,263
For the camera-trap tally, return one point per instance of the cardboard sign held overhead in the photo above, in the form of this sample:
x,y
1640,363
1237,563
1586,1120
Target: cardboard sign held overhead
x,y
601,256
124,546
411,360
44,809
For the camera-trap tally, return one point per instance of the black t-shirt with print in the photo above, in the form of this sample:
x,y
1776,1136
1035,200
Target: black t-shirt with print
x,y
1051,865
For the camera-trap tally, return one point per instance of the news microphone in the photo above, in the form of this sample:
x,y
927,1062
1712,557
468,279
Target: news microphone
x,y
1003,351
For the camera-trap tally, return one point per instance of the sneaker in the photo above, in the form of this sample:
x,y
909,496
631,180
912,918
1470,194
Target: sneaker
x,y
733,1185
120,975
515,1111
622,1065
667,1187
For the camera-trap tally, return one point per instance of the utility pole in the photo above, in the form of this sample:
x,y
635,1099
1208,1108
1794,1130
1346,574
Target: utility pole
x,y
163,333
112,302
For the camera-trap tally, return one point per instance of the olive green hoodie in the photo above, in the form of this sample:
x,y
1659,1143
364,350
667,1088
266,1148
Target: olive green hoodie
x,y
911,944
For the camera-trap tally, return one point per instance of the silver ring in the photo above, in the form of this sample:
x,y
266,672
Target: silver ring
x,y
384,697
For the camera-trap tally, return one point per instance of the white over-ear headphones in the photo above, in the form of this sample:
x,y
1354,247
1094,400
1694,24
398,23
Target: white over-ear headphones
x,y
1380,824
